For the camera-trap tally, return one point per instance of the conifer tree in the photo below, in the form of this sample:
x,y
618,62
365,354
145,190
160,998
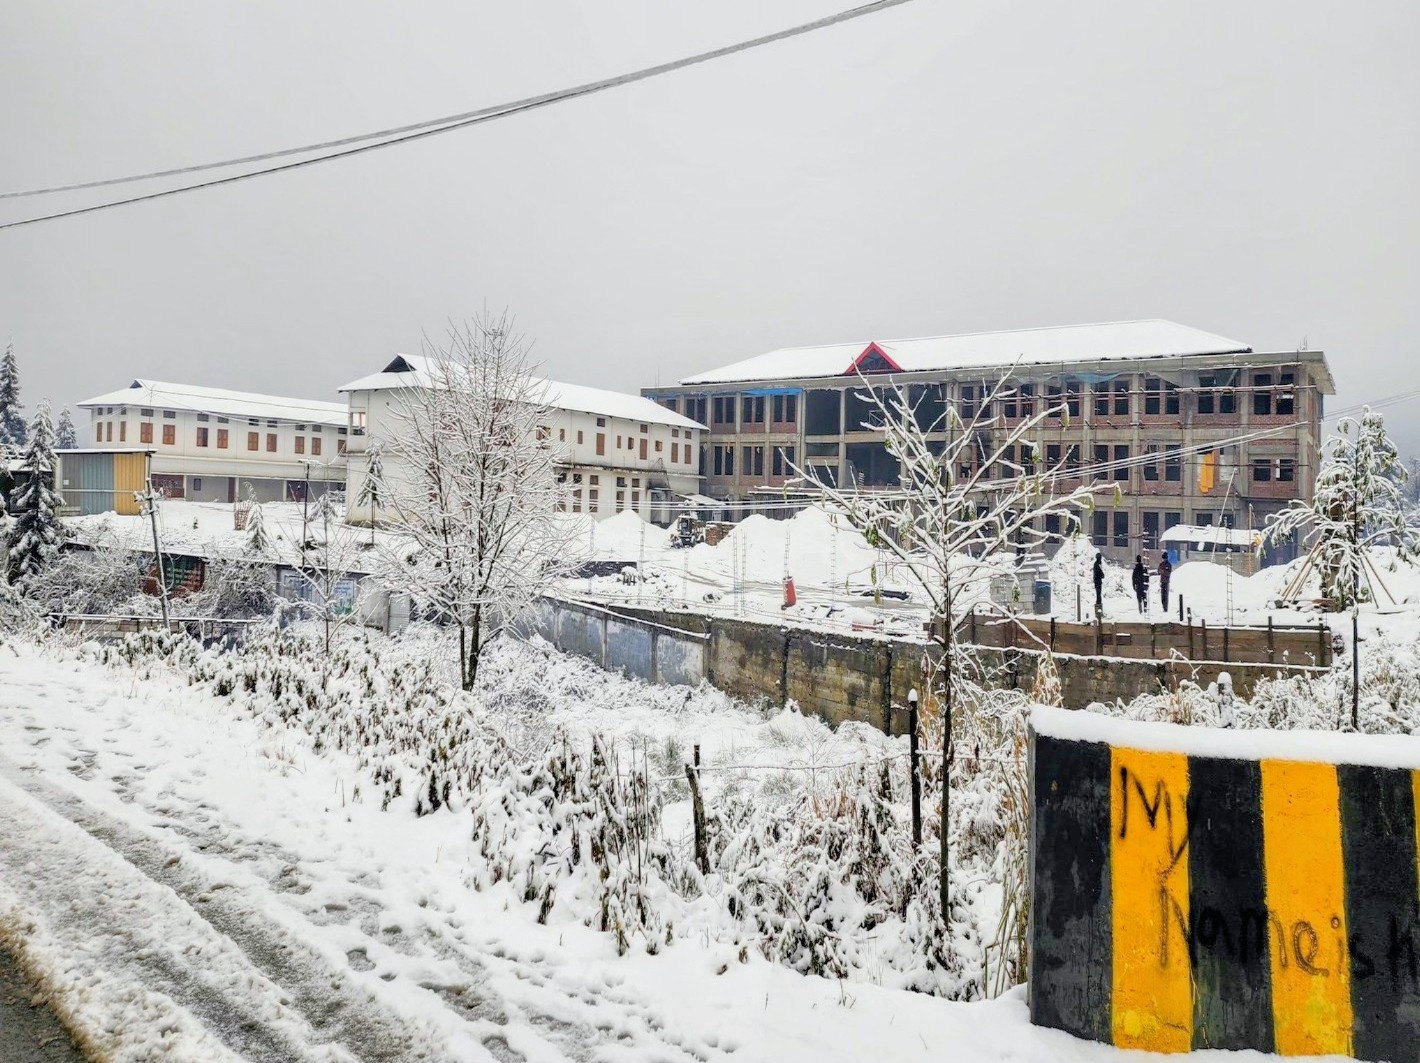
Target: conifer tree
x,y
33,537
12,421
65,437
258,542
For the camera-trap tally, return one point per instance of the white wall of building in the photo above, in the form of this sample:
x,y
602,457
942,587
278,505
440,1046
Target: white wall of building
x,y
190,445
609,464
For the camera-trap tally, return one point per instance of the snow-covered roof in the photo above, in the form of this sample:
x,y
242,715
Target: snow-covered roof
x,y
222,402
981,350
410,370
1212,535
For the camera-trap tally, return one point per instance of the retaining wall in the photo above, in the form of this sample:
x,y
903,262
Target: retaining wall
x,y
1195,888
633,646
1198,641
840,676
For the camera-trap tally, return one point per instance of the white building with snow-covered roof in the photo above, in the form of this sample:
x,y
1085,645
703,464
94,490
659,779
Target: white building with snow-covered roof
x,y
615,452
218,445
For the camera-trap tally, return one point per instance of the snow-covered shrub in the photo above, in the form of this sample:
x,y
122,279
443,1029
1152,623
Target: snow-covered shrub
x,y
575,826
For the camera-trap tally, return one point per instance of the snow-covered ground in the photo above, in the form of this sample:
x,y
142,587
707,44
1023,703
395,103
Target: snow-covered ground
x,y
833,568
196,882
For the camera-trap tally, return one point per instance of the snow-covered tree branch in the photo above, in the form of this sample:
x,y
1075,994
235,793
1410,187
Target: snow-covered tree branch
x,y
1357,505
473,485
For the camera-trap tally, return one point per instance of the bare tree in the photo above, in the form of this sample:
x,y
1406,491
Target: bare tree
x,y
968,490
331,560
471,478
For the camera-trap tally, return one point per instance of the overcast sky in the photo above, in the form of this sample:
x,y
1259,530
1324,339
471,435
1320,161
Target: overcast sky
x,y
1249,169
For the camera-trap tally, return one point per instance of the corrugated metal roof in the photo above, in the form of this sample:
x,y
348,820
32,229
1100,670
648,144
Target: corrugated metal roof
x,y
222,401
410,370
983,350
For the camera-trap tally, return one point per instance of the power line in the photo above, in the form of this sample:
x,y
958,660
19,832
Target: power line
x,y
403,134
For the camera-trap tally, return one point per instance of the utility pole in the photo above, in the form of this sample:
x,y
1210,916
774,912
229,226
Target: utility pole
x,y
1355,609
149,502
305,509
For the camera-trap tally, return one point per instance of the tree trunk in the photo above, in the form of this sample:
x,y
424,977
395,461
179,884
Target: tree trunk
x,y
474,646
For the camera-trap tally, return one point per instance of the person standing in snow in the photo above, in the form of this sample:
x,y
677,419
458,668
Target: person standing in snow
x,y
1098,574
1141,583
1165,572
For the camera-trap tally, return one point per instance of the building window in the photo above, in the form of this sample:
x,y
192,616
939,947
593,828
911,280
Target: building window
x,y
271,442
669,404
1287,396
1121,528
197,483
1261,470
968,403
601,440
1160,396
145,413
145,432
110,432
783,461
1121,463
1216,394
695,408
253,440
222,420
273,424
1019,402
562,435
221,439
724,460
315,446
675,453
1261,395
340,447
169,435
202,437
1101,399
723,409
1149,527
300,444
753,461
579,437
752,409
786,409
1066,395
1151,458
1173,465
122,431
1102,460
202,417
1099,528
659,446
169,415
1286,469
316,428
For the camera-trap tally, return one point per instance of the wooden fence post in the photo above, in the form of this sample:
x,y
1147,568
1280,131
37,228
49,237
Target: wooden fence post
x,y
697,807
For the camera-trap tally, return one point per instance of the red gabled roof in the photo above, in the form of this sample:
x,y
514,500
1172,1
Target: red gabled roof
x,y
868,352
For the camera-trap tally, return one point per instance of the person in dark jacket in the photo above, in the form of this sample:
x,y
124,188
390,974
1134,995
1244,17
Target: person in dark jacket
x,y
1141,583
1165,573
1098,574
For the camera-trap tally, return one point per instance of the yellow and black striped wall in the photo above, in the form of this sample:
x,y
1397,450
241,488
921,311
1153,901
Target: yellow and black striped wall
x,y
1195,888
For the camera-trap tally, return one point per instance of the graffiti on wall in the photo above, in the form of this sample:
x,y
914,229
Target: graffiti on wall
x,y
1197,902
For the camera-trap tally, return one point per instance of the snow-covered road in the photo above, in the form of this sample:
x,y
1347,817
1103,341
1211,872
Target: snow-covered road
x,y
194,885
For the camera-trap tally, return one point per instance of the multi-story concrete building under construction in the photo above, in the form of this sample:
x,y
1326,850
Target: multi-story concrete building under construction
x,y
1191,427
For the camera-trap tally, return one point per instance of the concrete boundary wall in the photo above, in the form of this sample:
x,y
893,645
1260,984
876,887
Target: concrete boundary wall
x,y
1185,896
1195,640
841,676
632,646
